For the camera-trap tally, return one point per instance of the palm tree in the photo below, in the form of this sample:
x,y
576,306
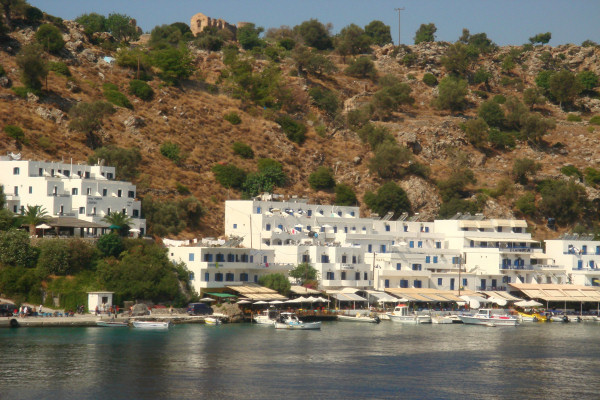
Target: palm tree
x,y
118,221
34,215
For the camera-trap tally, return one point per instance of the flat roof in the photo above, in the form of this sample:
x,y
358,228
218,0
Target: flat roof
x,y
556,292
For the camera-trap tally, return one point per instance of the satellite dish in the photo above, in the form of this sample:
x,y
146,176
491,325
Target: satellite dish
x,y
474,303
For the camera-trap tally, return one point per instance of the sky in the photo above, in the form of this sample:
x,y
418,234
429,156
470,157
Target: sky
x,y
506,22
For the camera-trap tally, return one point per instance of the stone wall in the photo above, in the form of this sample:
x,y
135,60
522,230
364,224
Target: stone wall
x,y
200,21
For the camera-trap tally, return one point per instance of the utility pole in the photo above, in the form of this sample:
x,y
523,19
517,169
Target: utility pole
x,y
399,10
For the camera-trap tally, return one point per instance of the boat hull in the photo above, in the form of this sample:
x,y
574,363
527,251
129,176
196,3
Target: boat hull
x,y
151,324
298,326
349,318
212,321
112,324
411,319
489,321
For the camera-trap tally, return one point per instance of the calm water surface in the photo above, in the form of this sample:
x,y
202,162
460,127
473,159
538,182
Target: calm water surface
x,y
342,361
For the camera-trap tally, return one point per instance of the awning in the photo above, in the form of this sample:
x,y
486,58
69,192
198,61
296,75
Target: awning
x,y
71,222
499,294
424,294
555,292
221,294
503,240
303,290
253,291
382,297
348,297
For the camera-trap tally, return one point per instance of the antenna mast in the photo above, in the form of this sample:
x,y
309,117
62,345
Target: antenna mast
x,y
399,11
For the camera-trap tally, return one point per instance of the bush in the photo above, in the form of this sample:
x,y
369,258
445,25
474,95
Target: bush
x,y
526,204
500,99
476,131
314,34
573,118
233,118
15,132
125,161
362,67
389,198
592,176
174,64
46,144
523,167
294,131
322,179
375,135
2,71
243,150
482,76
33,15
87,118
344,195
409,59
60,68
452,92
449,208
572,171
595,120
388,160
171,151
171,217
564,201
33,67
270,175
229,175
50,37
501,140
117,98
182,189
92,23
325,100
140,89
454,186
491,113
430,79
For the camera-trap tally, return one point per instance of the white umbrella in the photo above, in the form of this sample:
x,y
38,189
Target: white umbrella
x,y
43,226
533,303
261,302
135,230
207,299
301,299
312,300
244,302
276,302
291,301
500,302
323,300
522,303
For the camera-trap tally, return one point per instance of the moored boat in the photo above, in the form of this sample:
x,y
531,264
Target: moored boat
x,y
489,317
358,318
151,324
446,319
402,314
112,324
291,321
212,321
266,317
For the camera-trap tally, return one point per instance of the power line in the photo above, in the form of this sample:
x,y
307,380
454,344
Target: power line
x,y
399,10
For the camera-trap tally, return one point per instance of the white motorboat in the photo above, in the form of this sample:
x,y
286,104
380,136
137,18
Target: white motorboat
x,y
358,318
266,317
212,321
446,319
489,317
291,321
112,324
151,324
402,314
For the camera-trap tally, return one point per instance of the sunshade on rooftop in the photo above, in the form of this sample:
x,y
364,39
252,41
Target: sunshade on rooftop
x,y
424,294
256,292
348,297
303,290
555,292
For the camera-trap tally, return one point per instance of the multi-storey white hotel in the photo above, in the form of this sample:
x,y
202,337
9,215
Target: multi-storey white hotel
x,y
84,192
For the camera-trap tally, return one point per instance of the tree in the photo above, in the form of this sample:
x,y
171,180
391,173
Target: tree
x,y
311,62
352,40
588,80
163,36
87,118
392,94
119,221
92,23
476,131
524,167
457,59
541,38
321,179
533,126
305,274
564,86
526,204
229,175
175,64
122,27
491,112
110,245
16,133
8,7
425,33
515,111
50,37
378,32
325,99
248,36
452,94
388,160
389,198
33,67
276,281
54,257
533,97
33,216
375,135
15,249
140,89
294,130
477,43
454,187
362,67
344,195
564,201
314,34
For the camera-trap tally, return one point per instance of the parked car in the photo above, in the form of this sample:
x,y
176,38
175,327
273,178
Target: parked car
x,y
199,309
6,310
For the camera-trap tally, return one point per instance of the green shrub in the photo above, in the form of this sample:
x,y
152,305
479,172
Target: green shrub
x,y
126,161
571,170
526,204
481,94
243,150
229,175
573,118
562,200
418,169
324,99
491,113
595,120
46,144
501,140
476,131
409,59
295,131
2,71
481,76
118,99
500,99
389,160
362,67
452,94
50,37
22,91
109,86
592,176
171,151
33,15
321,130
140,89
171,217
454,205
344,195
430,79
270,175
322,179
233,118
181,188
15,132
60,68
389,198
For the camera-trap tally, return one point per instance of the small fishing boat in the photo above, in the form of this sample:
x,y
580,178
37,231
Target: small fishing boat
x,y
212,321
358,318
446,319
402,314
151,324
489,317
112,324
290,321
266,317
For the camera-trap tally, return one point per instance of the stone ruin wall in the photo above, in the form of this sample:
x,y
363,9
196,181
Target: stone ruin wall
x,y
200,21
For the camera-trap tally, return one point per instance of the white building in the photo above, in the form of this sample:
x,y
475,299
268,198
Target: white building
x,y
85,192
579,256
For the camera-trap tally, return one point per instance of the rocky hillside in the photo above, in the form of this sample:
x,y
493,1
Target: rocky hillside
x,y
190,115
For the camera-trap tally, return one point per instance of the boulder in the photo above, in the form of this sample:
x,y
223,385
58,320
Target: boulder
x,y
139,309
5,82
32,98
88,55
50,114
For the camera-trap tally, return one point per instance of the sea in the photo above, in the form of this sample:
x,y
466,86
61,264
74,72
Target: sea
x,y
344,360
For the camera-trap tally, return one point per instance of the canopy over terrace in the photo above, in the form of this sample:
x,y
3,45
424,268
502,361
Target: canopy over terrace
x,y
424,295
69,224
500,295
253,291
301,290
382,297
555,292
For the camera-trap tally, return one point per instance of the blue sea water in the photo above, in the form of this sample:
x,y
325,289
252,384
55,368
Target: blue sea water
x,y
342,361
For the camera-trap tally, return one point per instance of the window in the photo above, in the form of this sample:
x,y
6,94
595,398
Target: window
x,y
435,259
244,277
321,212
494,283
426,229
191,276
427,259
386,283
483,283
322,229
81,210
124,211
62,209
324,258
416,267
255,278
131,194
89,191
191,257
309,212
234,226
583,249
387,228
438,245
119,193
366,276
398,266
230,258
16,171
411,244
344,259
343,275
206,277
499,229
104,192
220,257
440,281
339,213
16,191
405,228
419,244
245,258
451,283
87,174
403,283
30,189
136,213
417,284
308,227
330,276
74,192
345,229
335,229
306,258
15,208
465,282
41,172
208,257
229,277
369,248
219,277
382,248
258,210
94,211
352,213
108,211
357,276
268,227
280,226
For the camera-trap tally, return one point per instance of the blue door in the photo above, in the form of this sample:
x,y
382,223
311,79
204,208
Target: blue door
x,y
451,283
